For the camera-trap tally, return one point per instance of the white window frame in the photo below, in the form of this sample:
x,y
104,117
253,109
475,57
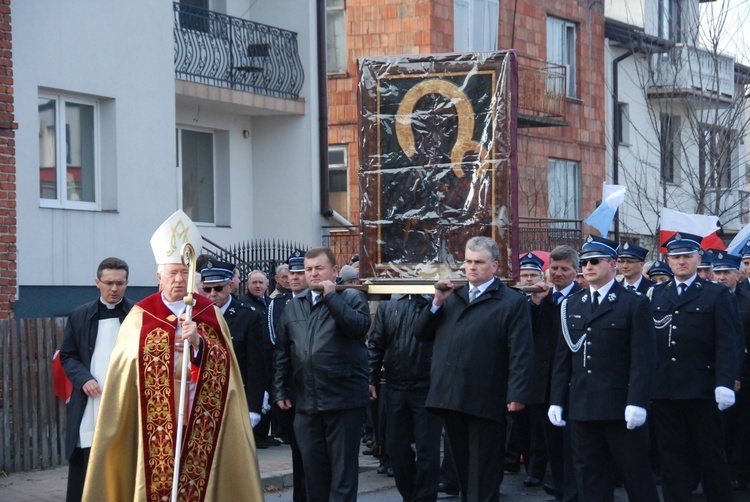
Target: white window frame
x,y
62,202
340,167
214,172
475,25
564,190
562,44
336,41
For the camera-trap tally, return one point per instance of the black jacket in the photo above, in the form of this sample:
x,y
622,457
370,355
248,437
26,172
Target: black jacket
x,y
392,345
483,354
616,363
696,340
743,302
321,350
246,328
546,326
77,347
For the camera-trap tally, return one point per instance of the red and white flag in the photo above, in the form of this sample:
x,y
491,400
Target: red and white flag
x,y
63,387
696,224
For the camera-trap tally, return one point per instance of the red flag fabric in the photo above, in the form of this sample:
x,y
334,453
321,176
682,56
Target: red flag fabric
x,y
63,387
696,224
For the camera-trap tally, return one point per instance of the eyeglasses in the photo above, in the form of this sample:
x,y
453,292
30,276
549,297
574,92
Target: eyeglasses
x,y
530,276
218,289
109,284
593,261
626,261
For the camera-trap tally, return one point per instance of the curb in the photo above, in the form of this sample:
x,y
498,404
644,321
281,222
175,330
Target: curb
x,y
285,479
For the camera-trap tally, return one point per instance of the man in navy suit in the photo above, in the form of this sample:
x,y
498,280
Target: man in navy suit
x,y
696,331
603,373
630,261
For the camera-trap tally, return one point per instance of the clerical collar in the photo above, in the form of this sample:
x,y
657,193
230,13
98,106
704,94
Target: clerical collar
x,y
110,306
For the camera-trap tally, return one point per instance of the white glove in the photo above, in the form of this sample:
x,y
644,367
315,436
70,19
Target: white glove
x,y
555,416
724,397
266,407
254,419
635,416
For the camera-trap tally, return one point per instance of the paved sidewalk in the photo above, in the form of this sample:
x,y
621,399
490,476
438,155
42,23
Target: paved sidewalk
x,y
49,485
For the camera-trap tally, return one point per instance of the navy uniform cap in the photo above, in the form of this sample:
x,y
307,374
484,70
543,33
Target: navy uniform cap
x,y
598,247
745,250
630,250
217,271
660,268
296,262
682,243
707,258
530,261
725,261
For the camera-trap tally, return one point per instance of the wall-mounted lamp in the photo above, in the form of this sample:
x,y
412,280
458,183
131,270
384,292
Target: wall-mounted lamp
x,y
245,133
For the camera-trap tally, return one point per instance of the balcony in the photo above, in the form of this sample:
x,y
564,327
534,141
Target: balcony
x,y
692,71
224,51
541,93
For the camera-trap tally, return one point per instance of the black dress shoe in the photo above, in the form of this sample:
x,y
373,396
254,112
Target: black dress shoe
x,y
549,489
512,469
389,472
273,442
262,445
382,469
532,481
442,488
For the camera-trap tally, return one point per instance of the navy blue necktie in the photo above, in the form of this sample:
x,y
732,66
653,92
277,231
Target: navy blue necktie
x,y
556,297
594,300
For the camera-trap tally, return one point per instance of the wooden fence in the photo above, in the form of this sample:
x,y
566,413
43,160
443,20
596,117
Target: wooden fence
x,y
32,434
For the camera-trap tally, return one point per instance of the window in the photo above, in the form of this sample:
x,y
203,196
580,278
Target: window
x,y
193,17
670,23
196,161
338,179
715,156
564,189
68,152
561,49
623,124
336,36
475,24
669,148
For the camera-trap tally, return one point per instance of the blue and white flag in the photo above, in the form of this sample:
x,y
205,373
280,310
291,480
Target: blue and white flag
x,y
602,217
739,240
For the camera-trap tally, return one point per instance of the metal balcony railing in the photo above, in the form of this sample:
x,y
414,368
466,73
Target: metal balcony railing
x,y
546,233
541,88
694,69
225,51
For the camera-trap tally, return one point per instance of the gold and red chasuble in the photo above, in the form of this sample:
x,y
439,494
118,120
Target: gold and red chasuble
x,y
158,397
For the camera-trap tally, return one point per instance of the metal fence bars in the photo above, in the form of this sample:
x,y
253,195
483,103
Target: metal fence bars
x,y
225,51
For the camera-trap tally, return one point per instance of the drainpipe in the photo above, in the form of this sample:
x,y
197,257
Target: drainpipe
x,y
615,128
325,206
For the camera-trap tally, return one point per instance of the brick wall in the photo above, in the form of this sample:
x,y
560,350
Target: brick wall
x,y
380,28
384,27
584,140
8,282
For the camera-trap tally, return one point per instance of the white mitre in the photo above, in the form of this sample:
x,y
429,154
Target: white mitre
x,y
168,239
